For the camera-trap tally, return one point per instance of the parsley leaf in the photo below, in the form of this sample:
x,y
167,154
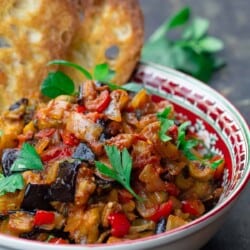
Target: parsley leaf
x,y
121,169
184,145
131,86
57,83
193,52
103,73
174,21
1,132
28,159
165,124
11,183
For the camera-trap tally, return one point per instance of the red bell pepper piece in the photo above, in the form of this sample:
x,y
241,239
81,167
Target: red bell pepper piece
x,y
58,241
120,224
100,103
43,217
80,109
163,211
193,207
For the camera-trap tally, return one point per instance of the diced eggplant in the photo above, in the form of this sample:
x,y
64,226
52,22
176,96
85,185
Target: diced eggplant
x,y
34,234
84,153
8,158
161,226
36,197
18,104
63,189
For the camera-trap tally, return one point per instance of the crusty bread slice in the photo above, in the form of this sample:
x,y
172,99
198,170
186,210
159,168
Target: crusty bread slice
x,y
32,32
110,31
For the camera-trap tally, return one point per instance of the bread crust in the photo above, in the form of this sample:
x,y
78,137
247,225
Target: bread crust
x,y
107,24
31,34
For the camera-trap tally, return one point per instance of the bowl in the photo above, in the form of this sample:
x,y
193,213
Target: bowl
x,y
212,115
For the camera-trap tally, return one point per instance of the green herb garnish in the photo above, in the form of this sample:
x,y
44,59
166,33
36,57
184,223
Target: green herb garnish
x,y
11,183
192,52
57,83
215,164
1,132
103,73
184,145
28,159
121,169
165,124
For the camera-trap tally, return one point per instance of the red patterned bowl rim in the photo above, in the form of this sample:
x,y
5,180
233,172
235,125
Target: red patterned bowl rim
x,y
199,100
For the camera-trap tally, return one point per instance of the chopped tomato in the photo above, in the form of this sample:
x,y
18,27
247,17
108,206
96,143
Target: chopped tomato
x,y
47,132
163,211
69,138
100,103
172,189
173,132
120,224
43,217
24,137
56,152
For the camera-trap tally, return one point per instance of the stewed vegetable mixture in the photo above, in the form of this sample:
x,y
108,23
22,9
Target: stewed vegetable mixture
x,y
102,166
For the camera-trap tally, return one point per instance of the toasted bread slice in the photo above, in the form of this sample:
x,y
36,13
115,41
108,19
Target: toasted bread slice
x,y
110,31
31,34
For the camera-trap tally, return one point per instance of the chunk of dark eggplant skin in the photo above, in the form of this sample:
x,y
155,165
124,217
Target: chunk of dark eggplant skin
x,y
36,197
63,189
18,104
17,110
84,153
8,158
34,234
161,226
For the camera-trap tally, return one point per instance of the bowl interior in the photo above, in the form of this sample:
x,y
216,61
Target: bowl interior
x,y
211,115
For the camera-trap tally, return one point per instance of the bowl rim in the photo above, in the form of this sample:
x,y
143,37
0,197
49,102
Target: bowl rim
x,y
175,234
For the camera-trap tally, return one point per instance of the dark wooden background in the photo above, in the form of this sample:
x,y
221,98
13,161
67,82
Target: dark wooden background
x,y
230,21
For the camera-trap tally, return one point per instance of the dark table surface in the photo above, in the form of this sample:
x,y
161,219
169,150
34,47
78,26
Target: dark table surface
x,y
230,21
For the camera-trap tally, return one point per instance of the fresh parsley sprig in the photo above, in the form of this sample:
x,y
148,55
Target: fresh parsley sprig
x,y
11,183
193,52
184,145
28,159
58,83
121,169
165,124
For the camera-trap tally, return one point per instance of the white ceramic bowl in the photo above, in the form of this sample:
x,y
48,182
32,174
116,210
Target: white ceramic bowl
x,y
211,114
